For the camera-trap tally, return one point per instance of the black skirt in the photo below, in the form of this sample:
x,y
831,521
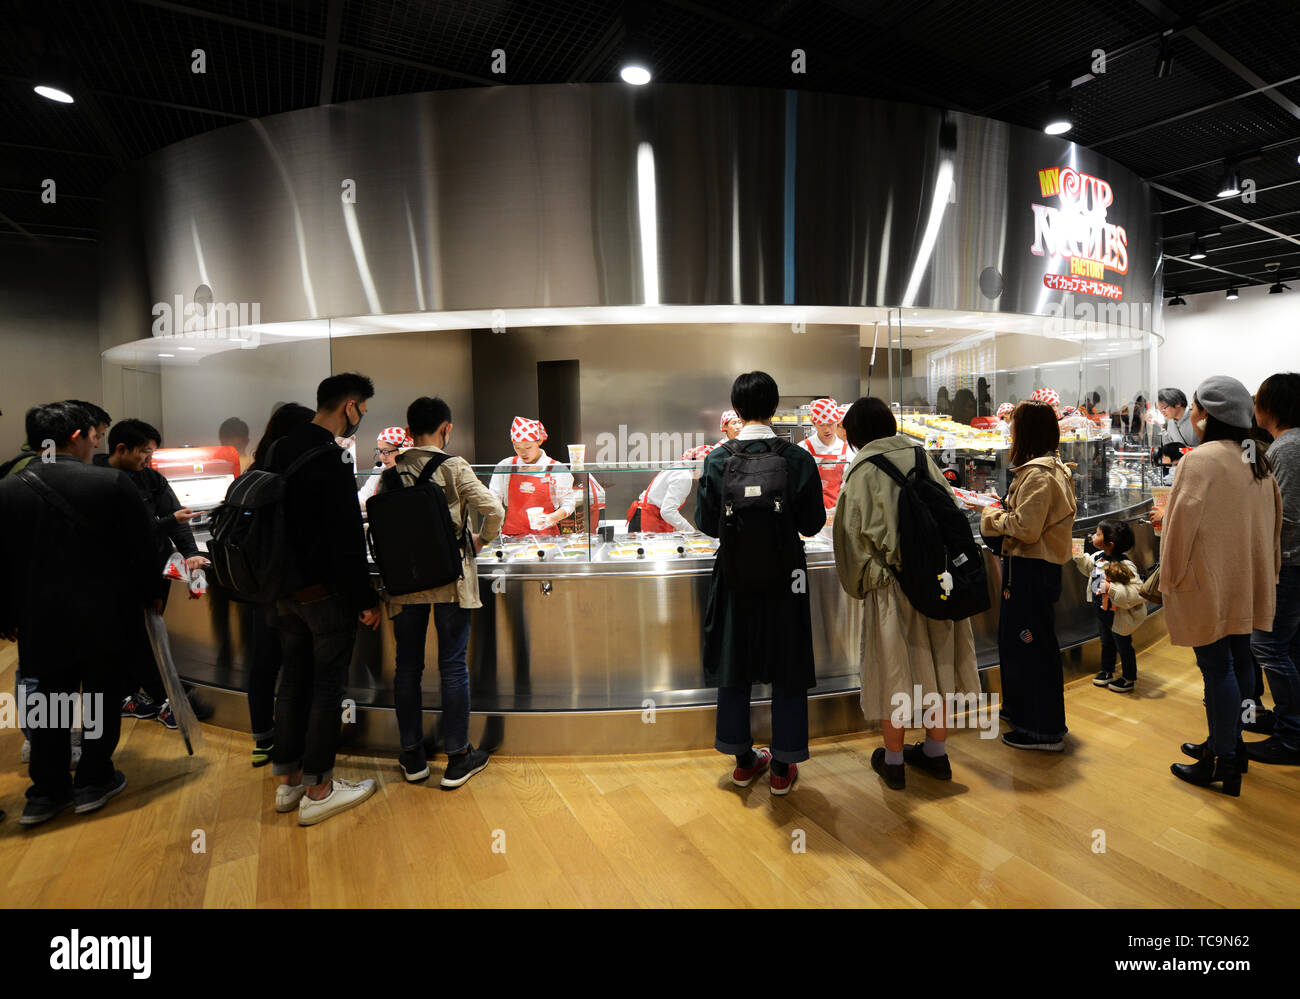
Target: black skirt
x,y
1033,681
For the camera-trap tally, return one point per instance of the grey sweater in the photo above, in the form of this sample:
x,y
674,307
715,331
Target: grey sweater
x,y
1284,454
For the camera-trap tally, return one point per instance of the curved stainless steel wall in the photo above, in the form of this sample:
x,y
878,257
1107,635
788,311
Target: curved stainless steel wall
x,y
511,197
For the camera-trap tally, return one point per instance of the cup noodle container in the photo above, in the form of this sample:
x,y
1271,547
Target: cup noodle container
x,y
1076,546
537,518
1159,500
577,457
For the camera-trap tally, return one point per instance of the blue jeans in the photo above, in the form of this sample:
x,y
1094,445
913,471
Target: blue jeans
x,y
1278,652
451,621
789,723
1229,675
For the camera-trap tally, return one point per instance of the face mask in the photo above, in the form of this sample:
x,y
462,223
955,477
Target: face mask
x,y
351,429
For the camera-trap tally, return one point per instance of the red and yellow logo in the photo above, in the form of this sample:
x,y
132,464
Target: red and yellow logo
x,y
1076,229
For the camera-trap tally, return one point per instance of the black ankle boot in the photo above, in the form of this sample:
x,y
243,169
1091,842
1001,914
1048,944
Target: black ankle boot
x,y
1211,770
1201,750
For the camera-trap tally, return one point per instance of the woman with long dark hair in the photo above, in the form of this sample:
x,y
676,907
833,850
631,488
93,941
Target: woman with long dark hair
x,y
1221,553
1032,534
264,643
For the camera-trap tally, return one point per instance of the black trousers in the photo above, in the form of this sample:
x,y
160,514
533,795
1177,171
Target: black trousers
x,y
263,669
316,641
1033,680
96,672
1112,644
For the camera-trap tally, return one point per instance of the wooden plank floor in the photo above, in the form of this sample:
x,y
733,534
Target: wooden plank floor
x,y
1012,829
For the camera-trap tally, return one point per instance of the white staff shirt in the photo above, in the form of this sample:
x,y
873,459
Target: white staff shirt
x,y
668,492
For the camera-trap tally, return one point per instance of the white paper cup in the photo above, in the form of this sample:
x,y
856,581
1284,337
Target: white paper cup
x,y
537,518
577,457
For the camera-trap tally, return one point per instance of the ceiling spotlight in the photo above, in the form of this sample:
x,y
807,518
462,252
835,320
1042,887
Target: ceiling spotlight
x,y
635,74
1232,294
1229,183
1278,288
1177,300
53,94
1165,61
1058,120
1198,251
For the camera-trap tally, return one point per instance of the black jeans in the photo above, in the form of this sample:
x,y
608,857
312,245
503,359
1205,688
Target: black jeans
x,y
1228,669
94,673
1033,680
316,642
1112,643
789,723
263,645
410,627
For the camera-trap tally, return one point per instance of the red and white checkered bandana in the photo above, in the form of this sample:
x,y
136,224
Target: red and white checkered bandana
x,y
395,436
727,417
1005,411
697,453
843,412
824,411
524,429
1046,395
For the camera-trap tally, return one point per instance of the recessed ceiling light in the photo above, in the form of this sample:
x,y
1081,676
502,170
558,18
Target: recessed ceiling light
x,y
184,348
166,355
636,75
53,94
929,329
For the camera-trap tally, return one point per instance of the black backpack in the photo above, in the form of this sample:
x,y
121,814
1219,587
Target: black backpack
x,y
758,546
249,545
935,542
412,538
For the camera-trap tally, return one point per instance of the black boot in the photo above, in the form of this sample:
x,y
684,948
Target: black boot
x,y
1201,750
894,774
1211,770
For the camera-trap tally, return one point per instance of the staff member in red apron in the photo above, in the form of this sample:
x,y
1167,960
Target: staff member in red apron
x,y
840,432
831,454
660,505
730,425
532,478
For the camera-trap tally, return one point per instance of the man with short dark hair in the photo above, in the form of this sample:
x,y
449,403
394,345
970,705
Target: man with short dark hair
x,y
429,424
131,444
1172,404
1277,411
75,545
233,432
318,622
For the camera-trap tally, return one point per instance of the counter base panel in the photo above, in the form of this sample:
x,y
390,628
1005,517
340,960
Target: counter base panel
x,y
613,732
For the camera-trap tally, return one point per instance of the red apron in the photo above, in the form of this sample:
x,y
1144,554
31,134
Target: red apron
x,y
831,469
596,501
652,522
527,490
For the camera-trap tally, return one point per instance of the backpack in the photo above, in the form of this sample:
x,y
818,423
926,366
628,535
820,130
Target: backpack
x,y
943,573
249,545
758,547
412,538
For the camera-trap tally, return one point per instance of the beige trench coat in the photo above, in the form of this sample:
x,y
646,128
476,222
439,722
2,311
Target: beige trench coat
x,y
901,649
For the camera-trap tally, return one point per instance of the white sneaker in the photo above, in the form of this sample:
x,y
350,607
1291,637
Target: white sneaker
x,y
287,795
27,751
343,795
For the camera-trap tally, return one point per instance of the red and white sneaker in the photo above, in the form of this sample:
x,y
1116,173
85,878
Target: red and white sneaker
x,y
782,785
743,777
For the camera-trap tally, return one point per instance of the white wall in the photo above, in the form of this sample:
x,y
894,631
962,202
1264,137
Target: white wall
x,y
1249,339
49,329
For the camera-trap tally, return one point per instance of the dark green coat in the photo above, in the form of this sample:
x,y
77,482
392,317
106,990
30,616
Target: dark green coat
x,y
760,637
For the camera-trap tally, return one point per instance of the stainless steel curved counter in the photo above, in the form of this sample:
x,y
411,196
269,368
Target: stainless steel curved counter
x,y
591,651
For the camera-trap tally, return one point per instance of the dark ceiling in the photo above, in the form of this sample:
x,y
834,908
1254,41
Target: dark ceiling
x,y
1234,89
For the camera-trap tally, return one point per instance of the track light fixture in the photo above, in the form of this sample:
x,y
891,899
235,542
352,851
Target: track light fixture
x,y
1197,251
1165,61
1177,300
1229,183
1278,288
1059,118
1232,294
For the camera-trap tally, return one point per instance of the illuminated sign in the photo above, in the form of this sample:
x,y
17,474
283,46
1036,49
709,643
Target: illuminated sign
x,y
1076,230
